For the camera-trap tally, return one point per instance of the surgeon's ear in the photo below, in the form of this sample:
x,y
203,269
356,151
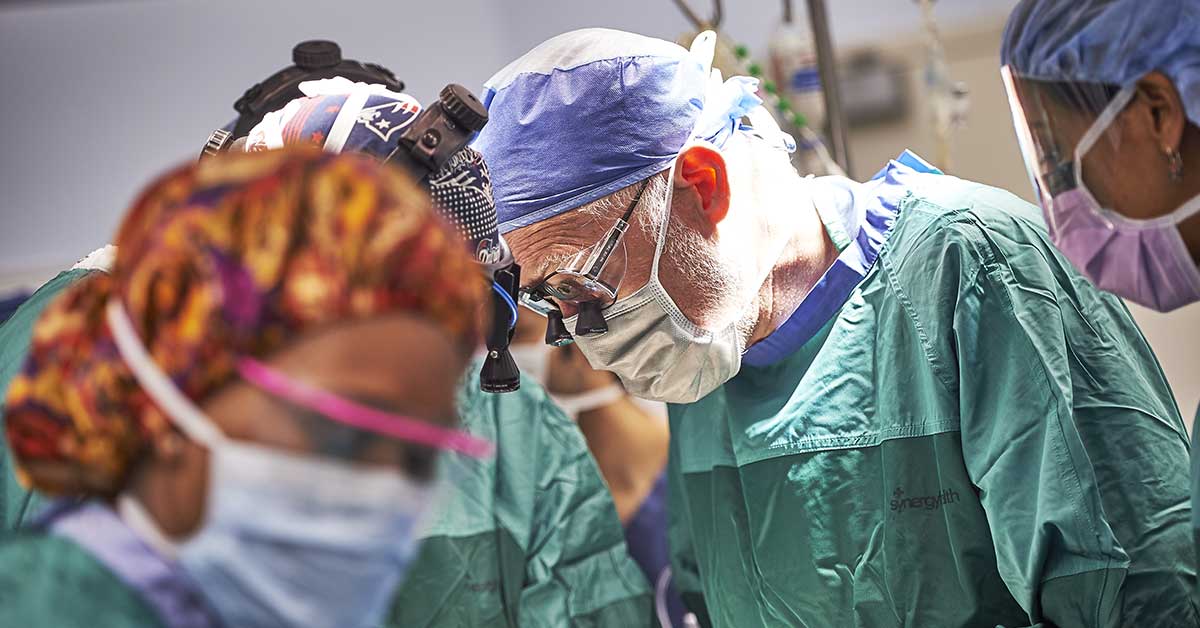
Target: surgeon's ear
x,y
1167,117
700,174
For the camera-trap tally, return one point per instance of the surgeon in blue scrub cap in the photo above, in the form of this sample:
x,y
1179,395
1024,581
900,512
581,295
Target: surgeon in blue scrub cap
x,y
1106,101
893,402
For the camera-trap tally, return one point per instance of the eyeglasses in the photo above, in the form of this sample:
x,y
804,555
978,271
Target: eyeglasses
x,y
588,283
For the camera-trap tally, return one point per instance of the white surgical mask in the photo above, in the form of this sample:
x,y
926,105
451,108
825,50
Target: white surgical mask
x,y
655,350
533,359
287,540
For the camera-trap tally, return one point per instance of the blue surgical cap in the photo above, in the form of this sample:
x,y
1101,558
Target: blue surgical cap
x,y
1107,41
592,111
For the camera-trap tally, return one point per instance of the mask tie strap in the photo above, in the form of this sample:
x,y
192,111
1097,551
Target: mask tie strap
x,y
196,425
359,416
161,389
1103,121
347,116
1089,139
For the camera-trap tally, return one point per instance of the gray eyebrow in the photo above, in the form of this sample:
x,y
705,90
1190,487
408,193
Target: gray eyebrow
x,y
595,219
547,266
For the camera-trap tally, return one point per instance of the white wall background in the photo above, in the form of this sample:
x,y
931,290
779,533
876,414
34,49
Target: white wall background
x,y
96,97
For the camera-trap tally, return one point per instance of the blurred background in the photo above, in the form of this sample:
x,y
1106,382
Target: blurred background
x,y
97,97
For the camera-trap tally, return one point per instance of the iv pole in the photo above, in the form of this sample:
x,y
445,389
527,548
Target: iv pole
x,y
827,66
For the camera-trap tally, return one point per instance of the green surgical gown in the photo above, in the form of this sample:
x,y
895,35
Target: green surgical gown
x,y
16,503
50,581
978,437
528,538
1196,487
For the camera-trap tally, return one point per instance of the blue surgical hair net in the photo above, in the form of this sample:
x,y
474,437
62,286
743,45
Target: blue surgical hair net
x,y
592,111
1107,41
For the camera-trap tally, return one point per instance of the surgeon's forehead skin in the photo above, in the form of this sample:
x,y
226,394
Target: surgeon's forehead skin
x,y
542,247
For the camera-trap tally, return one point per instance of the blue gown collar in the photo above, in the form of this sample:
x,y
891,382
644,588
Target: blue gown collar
x,y
160,582
859,219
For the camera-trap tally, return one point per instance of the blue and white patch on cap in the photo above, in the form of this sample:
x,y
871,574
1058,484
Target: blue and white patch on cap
x,y
592,111
338,114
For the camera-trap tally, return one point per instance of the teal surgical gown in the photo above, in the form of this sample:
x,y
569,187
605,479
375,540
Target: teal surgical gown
x,y
527,538
81,566
16,503
972,436
48,581
1196,487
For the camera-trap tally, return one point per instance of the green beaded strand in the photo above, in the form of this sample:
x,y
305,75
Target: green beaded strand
x,y
781,104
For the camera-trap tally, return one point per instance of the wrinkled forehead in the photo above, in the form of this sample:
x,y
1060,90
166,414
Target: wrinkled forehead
x,y
541,248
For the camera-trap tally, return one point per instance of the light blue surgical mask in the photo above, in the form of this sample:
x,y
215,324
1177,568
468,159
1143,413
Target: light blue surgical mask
x,y
287,540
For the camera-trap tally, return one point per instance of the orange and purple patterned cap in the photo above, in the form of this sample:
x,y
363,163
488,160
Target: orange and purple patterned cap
x,y
220,260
